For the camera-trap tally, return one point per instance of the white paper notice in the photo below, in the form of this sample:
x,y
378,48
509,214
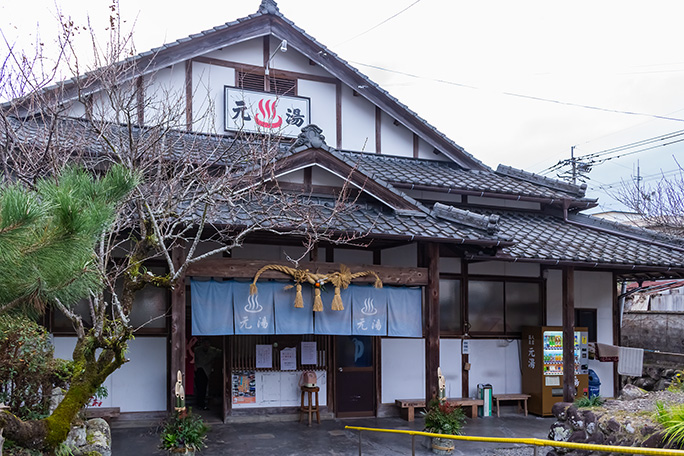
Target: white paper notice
x,y
288,359
309,353
264,356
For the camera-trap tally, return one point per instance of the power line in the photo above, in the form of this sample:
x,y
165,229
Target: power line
x,y
518,95
377,25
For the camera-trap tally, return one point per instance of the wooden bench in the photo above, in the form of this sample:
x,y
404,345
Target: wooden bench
x,y
409,405
521,398
103,412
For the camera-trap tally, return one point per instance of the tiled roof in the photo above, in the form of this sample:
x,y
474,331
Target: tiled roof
x,y
448,175
548,237
372,218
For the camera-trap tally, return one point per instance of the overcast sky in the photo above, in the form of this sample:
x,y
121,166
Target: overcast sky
x,y
504,79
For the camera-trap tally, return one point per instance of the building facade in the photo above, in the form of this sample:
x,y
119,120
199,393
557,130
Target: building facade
x,y
467,255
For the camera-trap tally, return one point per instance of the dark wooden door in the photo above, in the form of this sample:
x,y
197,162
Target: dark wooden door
x,y
354,376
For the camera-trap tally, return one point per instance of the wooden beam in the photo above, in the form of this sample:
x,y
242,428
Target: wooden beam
x,y
569,389
432,323
465,358
177,324
140,100
246,269
338,113
378,130
188,95
416,150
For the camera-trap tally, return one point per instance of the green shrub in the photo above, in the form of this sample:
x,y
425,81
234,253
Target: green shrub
x,y
442,418
595,401
672,419
181,431
26,367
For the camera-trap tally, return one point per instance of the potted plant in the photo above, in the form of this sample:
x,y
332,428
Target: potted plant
x,y
442,418
183,433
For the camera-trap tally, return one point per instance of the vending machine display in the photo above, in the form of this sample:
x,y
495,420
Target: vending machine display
x,y
543,366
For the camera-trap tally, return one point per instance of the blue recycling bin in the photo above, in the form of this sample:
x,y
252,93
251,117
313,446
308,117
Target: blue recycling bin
x,y
594,384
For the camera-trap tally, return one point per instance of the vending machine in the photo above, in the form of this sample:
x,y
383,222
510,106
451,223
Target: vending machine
x,y
542,366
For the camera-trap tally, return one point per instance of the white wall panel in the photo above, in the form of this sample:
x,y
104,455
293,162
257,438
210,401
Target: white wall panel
x,y
395,139
249,52
323,107
358,122
405,255
504,268
403,369
496,362
165,88
450,362
140,385
208,82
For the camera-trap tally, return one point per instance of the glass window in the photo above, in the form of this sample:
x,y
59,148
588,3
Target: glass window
x,y
523,305
586,318
485,306
149,308
450,321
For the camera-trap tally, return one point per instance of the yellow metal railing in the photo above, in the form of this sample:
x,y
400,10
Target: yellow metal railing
x,y
525,441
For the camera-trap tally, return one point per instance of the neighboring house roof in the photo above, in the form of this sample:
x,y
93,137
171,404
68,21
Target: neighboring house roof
x,y
269,21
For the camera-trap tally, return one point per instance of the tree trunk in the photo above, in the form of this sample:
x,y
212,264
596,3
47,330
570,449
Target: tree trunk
x,y
89,373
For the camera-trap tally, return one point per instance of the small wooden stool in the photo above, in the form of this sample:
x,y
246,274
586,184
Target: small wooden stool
x,y
309,408
521,398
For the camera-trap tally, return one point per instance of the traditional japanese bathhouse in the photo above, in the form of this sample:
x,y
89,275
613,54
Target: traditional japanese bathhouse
x,y
467,255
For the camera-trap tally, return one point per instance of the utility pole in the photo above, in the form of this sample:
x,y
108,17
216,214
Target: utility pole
x,y
574,165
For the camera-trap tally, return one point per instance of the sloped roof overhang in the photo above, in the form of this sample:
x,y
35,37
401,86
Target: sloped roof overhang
x,y
264,23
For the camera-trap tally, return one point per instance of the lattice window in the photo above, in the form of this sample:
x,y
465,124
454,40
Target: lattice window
x,y
276,85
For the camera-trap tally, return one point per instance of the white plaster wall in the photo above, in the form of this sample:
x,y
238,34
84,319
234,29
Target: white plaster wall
x,y
405,255
426,151
353,256
449,265
358,122
593,290
504,268
292,60
320,176
395,139
140,385
208,107
497,362
294,177
75,109
110,107
451,364
166,88
249,52
403,369
281,389
323,103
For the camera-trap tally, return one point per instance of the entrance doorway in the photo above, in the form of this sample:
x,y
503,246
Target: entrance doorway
x,y
354,376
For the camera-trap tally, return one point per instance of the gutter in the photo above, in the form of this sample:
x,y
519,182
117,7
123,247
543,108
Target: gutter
x,y
532,199
582,264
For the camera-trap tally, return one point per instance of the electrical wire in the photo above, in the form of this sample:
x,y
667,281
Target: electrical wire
x,y
518,95
377,25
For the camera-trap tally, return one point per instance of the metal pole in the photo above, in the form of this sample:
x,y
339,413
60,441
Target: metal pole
x,y
536,450
359,443
413,445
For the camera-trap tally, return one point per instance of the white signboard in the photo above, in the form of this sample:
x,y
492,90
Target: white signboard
x,y
264,356
260,112
288,359
309,353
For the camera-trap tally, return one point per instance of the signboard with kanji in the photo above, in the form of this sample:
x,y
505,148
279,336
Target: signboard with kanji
x,y
265,113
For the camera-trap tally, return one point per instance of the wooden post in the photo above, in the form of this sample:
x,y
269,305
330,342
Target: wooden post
x,y
432,323
569,388
177,321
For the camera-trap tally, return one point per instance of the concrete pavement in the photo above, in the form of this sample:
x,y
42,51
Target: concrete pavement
x,y
331,438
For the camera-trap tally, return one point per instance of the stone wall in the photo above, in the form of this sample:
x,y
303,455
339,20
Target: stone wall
x,y
662,331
